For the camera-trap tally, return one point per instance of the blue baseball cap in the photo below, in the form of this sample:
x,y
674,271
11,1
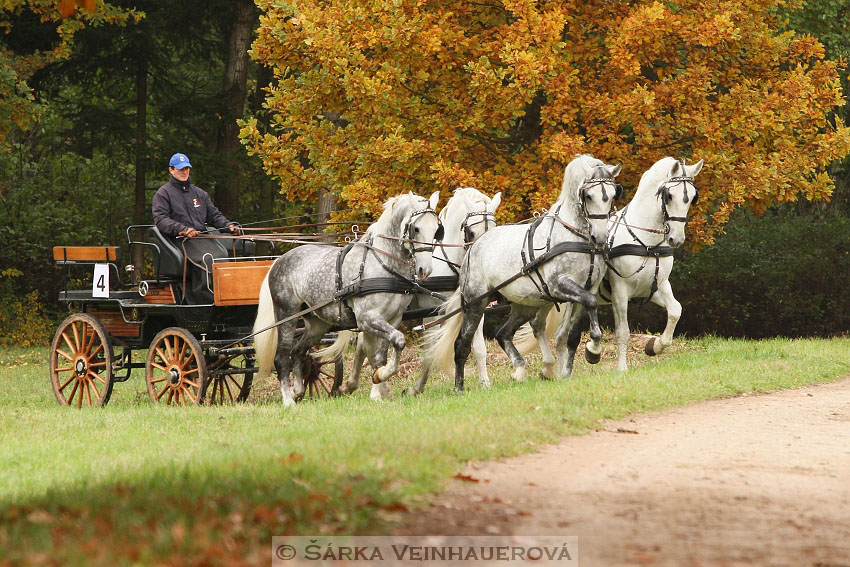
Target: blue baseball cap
x,y
179,161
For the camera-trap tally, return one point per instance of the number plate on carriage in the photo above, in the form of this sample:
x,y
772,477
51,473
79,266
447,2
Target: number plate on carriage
x,y
100,281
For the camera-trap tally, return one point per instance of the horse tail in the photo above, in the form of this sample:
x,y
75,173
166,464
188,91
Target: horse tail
x,y
440,342
334,351
524,340
265,343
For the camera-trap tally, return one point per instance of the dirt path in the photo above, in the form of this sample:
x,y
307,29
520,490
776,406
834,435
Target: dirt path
x,y
755,480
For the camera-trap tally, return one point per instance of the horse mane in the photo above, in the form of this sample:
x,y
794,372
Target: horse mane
x,y
575,173
653,176
387,220
467,195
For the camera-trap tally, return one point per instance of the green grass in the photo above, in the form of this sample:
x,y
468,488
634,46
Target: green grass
x,y
135,483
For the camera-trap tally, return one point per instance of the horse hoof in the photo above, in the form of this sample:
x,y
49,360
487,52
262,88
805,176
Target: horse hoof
x,y
649,348
592,357
375,378
544,377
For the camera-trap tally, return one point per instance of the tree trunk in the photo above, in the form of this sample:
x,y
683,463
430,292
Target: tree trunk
x,y
233,92
326,207
141,143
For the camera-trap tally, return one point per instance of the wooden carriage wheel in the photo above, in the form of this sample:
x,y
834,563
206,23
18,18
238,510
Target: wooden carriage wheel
x,y
225,388
176,370
81,362
322,378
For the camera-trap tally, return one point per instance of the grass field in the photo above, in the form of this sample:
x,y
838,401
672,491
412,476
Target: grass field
x,y
138,484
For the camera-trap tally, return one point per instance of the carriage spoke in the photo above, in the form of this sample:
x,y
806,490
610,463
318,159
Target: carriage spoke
x,y
182,350
65,354
192,371
158,380
162,393
97,364
168,348
229,391
88,341
325,385
70,346
68,381
73,390
64,369
86,385
159,366
162,356
76,347
99,377
194,385
80,396
187,392
96,351
93,385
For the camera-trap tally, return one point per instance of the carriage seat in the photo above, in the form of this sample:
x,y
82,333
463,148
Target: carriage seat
x,y
170,255
236,247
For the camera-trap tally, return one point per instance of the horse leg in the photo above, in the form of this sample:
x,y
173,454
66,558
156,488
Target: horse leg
x,y
382,329
519,315
571,291
664,298
570,329
463,343
419,386
314,330
620,306
479,351
383,390
356,366
283,359
538,327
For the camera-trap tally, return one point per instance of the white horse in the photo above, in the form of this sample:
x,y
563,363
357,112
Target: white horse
x,y
555,259
468,214
345,290
641,239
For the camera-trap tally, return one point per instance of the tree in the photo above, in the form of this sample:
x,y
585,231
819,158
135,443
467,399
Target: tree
x,y
373,98
36,34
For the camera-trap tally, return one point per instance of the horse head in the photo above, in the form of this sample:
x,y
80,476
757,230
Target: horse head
x,y
587,193
675,192
421,227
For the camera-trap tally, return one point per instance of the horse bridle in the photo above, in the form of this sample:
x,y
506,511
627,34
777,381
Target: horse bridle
x,y
664,192
409,238
618,191
466,226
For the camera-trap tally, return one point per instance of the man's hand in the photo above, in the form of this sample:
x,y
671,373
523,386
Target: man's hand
x,y
188,233
234,229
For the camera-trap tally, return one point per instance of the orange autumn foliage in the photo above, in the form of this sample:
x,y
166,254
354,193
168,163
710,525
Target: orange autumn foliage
x,y
381,96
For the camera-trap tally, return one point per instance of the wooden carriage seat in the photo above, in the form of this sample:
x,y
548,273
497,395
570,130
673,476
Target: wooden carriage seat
x,y
170,254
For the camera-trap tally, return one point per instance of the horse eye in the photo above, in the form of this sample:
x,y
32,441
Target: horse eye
x,y
416,230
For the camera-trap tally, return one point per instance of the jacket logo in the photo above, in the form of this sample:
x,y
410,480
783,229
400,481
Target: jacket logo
x,y
196,203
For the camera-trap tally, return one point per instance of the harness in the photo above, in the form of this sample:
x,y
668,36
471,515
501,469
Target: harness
x,y
395,282
468,237
641,249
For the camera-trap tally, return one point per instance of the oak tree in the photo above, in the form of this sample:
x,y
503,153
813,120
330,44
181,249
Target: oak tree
x,y
374,97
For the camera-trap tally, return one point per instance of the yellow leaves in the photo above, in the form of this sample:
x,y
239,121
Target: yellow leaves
x,y
500,96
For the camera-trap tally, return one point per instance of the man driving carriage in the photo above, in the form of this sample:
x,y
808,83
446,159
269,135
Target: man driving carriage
x,y
181,209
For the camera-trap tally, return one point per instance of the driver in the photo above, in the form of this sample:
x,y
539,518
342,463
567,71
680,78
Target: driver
x,y
182,209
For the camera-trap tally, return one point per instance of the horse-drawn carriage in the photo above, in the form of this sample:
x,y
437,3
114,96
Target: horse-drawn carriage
x,y
208,351
194,353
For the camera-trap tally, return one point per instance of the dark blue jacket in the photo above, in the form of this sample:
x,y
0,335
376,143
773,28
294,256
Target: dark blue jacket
x,y
177,207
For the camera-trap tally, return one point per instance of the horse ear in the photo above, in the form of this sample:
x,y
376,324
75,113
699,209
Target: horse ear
x,y
495,202
616,170
674,171
696,168
434,199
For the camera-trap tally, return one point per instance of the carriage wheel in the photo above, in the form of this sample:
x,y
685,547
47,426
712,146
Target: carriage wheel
x,y
228,388
322,378
176,369
81,362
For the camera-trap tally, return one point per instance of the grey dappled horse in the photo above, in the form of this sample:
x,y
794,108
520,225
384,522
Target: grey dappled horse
x,y
310,276
468,214
569,236
641,239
